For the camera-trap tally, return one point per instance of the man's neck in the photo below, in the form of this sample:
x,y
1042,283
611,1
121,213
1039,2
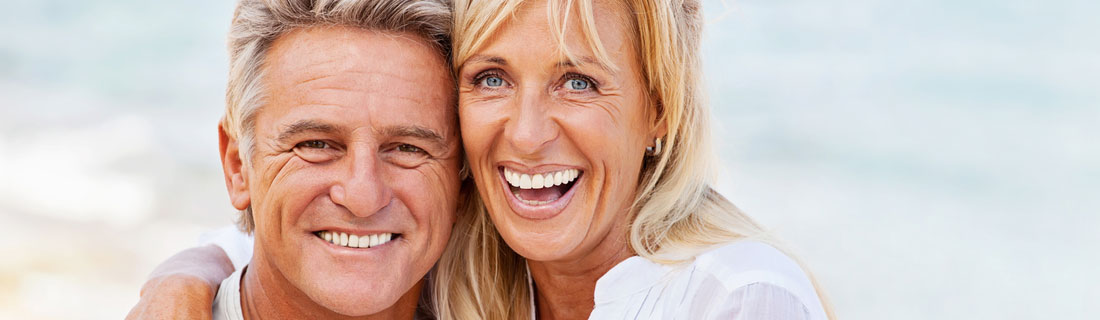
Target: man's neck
x,y
565,289
266,294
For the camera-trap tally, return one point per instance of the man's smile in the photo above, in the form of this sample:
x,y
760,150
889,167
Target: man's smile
x,y
363,241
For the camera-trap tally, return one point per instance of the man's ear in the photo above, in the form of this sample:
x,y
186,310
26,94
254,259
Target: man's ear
x,y
236,178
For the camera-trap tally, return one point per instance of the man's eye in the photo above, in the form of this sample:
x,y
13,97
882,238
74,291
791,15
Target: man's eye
x,y
316,151
407,156
313,144
409,148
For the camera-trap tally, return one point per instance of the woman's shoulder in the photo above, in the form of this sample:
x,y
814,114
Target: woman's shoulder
x,y
747,256
752,268
741,263
744,279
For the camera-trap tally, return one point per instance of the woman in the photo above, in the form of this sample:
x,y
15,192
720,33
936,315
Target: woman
x,y
603,94
587,137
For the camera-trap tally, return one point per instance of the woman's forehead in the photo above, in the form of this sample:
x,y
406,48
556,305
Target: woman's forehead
x,y
588,29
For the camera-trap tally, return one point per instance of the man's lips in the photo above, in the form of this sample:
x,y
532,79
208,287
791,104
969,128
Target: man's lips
x,y
361,241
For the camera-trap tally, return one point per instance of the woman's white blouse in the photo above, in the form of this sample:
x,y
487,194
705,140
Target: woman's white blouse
x,y
742,280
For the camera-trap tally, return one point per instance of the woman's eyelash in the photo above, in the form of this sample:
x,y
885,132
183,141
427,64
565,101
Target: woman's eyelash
x,y
480,77
483,75
576,76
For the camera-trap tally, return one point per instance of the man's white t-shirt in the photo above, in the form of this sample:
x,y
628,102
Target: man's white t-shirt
x,y
227,303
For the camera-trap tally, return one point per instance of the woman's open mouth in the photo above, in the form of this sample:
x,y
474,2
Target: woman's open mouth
x,y
540,195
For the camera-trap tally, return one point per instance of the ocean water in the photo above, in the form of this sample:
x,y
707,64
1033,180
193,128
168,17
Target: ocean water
x,y
927,159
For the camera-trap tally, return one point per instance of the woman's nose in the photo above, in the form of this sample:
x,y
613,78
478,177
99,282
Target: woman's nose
x,y
531,129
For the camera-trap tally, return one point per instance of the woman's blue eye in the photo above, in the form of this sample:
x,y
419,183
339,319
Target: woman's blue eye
x,y
493,81
577,84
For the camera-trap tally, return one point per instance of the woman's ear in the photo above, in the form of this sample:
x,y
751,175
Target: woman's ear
x,y
236,175
660,124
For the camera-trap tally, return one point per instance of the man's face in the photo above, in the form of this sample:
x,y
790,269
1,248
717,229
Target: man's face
x,y
358,137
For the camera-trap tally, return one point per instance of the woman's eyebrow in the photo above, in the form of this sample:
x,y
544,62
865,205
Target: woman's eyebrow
x,y
488,59
306,125
585,60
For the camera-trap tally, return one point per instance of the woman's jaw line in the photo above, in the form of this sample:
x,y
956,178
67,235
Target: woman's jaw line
x,y
540,193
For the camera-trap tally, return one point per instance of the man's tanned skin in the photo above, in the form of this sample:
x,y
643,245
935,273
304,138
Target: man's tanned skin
x,y
357,136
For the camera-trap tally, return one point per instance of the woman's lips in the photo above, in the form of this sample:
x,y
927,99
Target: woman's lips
x,y
539,195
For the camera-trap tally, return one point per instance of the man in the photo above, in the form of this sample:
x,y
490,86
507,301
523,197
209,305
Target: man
x,y
340,146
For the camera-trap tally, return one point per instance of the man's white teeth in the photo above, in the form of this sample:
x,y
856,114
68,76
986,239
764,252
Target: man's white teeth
x,y
540,180
355,241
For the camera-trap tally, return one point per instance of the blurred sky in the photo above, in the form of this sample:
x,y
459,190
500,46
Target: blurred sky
x,y
928,159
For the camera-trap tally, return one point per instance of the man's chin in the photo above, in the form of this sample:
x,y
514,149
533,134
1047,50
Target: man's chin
x,y
353,282
355,297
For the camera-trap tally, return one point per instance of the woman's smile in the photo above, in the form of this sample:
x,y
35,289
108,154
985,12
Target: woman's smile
x,y
540,194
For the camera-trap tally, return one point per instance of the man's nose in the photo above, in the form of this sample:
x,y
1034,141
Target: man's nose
x,y
530,128
362,189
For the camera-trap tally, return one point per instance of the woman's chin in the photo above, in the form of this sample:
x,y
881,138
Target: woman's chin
x,y
541,240
543,250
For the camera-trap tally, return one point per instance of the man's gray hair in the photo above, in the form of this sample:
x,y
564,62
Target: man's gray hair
x,y
257,23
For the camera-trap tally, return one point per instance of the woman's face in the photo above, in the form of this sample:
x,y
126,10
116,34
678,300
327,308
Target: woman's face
x,y
556,145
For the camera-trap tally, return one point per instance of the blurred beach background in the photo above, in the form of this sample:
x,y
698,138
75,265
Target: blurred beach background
x,y
928,159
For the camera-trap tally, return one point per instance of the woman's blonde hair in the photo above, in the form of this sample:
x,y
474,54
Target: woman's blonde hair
x,y
258,23
676,215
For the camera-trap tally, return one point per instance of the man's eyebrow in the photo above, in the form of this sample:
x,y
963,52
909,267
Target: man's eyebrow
x,y
413,131
308,125
488,59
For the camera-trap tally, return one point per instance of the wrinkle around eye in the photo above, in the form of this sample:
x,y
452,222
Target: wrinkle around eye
x,y
612,108
407,160
274,165
591,96
327,152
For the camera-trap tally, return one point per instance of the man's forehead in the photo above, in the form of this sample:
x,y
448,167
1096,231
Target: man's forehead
x,y
313,53
366,80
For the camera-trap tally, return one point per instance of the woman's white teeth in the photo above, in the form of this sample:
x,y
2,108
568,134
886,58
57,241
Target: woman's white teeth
x,y
355,241
540,180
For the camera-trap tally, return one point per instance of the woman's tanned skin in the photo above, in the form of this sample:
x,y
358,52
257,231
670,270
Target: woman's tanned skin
x,y
526,107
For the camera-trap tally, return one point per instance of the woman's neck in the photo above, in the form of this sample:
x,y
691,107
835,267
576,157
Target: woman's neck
x,y
565,289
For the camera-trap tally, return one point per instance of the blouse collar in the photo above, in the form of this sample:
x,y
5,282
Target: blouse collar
x,y
633,275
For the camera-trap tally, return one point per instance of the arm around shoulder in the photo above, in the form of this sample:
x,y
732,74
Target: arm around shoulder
x,y
184,286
